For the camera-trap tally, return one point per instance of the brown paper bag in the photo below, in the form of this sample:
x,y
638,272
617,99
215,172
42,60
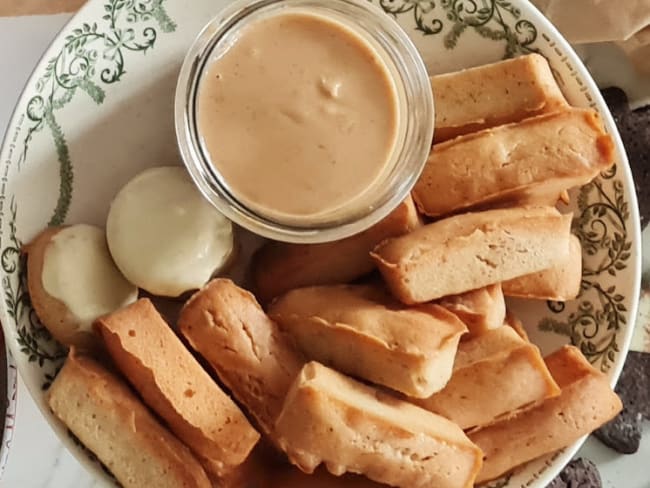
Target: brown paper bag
x,y
637,49
582,21
38,7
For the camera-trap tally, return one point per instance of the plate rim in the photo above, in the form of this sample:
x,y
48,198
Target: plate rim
x,y
11,395
622,161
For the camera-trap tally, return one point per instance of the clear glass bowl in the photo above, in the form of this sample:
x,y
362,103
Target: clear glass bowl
x,y
415,112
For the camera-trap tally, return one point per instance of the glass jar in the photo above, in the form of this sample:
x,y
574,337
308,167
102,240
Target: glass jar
x,y
415,113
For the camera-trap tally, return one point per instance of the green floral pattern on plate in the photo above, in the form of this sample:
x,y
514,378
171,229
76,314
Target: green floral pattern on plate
x,y
496,20
600,224
93,55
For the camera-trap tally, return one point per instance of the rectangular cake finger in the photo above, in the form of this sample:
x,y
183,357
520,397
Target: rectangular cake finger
x,y
362,331
494,374
247,350
538,156
586,402
279,266
469,251
112,422
493,94
174,385
350,427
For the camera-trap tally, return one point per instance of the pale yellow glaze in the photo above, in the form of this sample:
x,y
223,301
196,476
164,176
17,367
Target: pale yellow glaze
x,y
299,115
164,236
78,270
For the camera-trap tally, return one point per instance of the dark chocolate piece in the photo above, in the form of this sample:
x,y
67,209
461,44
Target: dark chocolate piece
x,y
634,127
623,433
579,473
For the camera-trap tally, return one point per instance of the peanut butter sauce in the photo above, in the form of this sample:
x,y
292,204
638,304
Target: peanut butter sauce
x,y
299,116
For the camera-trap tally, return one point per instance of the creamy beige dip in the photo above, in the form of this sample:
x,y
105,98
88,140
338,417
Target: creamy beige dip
x,y
299,115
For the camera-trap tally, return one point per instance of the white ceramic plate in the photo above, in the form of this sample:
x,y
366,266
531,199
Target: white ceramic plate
x,y
99,108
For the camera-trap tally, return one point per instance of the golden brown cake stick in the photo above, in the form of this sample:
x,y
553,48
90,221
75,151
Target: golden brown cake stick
x,y
279,267
176,387
350,427
585,403
226,326
494,373
469,251
493,94
110,421
363,331
546,154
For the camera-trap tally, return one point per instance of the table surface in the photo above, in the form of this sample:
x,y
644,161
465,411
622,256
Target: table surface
x,y
37,458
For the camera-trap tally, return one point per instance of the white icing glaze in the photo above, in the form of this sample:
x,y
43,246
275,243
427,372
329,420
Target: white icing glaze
x,y
78,270
164,236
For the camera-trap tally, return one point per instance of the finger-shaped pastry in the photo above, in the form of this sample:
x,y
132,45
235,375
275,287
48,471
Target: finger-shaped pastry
x,y
249,353
551,152
586,402
560,282
175,386
494,373
480,310
363,331
493,94
110,421
72,280
350,427
469,251
279,267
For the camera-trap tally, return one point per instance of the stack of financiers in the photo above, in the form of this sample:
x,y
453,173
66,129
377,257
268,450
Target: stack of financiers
x,y
415,376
